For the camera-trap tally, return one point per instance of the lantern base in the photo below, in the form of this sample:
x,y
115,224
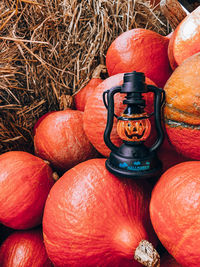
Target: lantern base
x,y
134,161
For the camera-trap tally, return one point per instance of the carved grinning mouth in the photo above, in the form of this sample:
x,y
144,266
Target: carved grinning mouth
x,y
134,134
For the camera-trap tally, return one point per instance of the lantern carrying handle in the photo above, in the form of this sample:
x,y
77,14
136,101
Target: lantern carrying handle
x,y
158,103
109,104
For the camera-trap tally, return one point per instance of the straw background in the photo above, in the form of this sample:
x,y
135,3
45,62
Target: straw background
x,y
49,50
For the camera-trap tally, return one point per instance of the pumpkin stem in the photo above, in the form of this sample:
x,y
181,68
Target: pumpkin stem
x,y
146,254
173,11
98,70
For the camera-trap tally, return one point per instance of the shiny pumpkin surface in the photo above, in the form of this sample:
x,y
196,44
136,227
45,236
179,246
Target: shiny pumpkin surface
x,y
140,50
174,211
82,96
61,140
185,40
92,218
182,109
25,181
24,249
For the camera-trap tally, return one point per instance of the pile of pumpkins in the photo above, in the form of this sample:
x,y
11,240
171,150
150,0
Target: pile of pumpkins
x,y
61,207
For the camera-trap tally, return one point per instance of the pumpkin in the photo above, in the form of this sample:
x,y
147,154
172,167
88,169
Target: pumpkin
x,y
81,96
174,206
91,218
182,112
61,140
95,114
185,40
25,181
140,50
24,249
40,120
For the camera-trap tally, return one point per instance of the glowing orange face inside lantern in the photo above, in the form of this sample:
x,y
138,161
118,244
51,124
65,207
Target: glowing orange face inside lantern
x,y
134,130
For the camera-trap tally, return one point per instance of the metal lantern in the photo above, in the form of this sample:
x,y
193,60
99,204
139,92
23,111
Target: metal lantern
x,y
133,159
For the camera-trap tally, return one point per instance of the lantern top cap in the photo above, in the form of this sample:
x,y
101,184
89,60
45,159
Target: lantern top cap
x,y
133,82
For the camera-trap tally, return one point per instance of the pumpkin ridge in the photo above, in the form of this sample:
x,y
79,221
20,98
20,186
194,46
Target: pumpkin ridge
x,y
173,123
187,233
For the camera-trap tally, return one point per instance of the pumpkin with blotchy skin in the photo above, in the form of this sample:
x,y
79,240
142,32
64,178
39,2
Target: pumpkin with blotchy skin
x,y
182,108
140,50
174,206
25,181
24,249
185,39
92,218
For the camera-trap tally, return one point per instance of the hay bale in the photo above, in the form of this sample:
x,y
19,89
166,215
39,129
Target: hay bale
x,y
48,51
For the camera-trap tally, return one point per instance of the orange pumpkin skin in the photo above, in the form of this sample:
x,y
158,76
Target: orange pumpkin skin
x,y
92,218
140,50
25,181
185,40
174,206
24,249
61,140
95,114
182,112
81,97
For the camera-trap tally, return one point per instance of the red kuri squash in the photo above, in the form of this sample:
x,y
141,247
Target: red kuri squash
x,y
61,140
140,50
24,249
25,181
174,207
92,218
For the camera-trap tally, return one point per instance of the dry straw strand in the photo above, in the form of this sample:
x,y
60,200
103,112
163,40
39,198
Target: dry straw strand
x,y
49,50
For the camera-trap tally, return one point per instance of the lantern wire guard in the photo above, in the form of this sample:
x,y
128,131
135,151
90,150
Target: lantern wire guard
x,y
133,159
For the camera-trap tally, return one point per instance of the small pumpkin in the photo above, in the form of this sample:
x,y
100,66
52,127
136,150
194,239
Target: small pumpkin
x,y
61,140
140,50
24,249
25,181
81,96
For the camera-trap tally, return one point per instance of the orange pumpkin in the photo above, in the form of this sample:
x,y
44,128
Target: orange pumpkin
x,y
174,211
182,109
185,40
140,50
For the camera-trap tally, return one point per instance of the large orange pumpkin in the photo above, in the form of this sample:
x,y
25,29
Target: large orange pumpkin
x,y
92,218
140,50
185,40
182,109
174,211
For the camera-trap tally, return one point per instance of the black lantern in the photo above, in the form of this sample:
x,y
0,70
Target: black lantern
x,y
133,159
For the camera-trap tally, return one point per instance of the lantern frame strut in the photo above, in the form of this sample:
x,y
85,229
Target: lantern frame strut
x,y
133,159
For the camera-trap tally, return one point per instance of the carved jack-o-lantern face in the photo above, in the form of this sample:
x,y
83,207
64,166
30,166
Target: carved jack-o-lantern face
x,y
134,130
